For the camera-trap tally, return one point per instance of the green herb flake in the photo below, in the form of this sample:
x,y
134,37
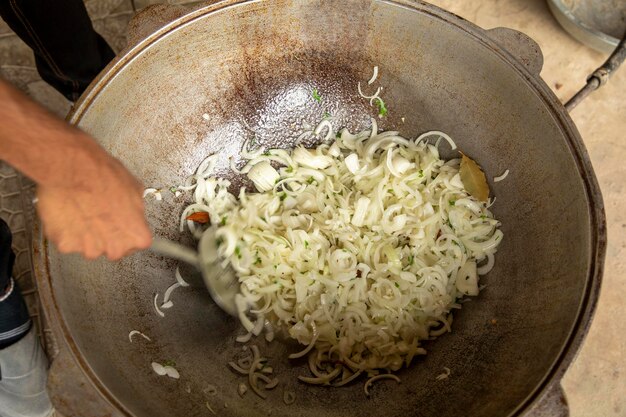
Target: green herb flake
x,y
224,220
306,243
397,285
257,261
452,202
173,190
169,362
282,196
411,259
382,109
310,180
238,252
316,95
421,173
327,115
219,241
483,217
289,169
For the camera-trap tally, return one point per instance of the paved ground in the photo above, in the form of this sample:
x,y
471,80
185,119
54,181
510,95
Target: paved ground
x,y
596,383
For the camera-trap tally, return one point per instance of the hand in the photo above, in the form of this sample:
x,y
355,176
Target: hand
x,y
88,202
99,211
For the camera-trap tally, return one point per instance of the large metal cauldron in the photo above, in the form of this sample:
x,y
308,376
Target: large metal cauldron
x,y
255,63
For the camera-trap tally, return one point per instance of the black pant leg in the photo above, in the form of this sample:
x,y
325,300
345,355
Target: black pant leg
x,y
14,319
68,51
7,257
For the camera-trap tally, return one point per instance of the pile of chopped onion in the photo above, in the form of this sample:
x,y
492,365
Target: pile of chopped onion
x,y
359,249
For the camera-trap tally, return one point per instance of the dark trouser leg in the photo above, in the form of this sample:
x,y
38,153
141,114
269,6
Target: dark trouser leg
x,y
14,319
23,364
68,52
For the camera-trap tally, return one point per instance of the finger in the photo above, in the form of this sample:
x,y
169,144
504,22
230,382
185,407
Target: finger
x,y
143,237
119,243
92,247
122,249
53,213
67,240
119,253
51,234
67,245
95,237
63,246
127,245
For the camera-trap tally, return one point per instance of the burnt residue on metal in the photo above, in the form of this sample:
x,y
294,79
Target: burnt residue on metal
x,y
251,68
271,109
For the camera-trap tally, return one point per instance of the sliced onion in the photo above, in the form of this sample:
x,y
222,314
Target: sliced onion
x,y
264,176
501,177
467,279
352,163
374,76
171,372
436,133
137,332
310,159
360,211
156,307
158,369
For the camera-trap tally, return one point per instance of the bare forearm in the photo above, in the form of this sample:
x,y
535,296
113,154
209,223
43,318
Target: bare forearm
x,y
38,144
88,201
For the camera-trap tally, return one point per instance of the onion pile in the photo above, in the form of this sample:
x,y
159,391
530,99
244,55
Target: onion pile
x,y
359,249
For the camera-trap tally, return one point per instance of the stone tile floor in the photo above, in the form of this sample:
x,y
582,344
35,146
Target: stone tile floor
x,y
596,383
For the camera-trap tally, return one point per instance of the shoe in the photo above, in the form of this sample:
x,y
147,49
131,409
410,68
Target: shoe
x,y
23,375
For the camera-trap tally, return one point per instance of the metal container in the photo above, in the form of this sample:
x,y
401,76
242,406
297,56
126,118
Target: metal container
x,y
253,65
599,24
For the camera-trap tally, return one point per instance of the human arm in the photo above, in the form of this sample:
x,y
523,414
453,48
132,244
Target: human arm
x,y
87,201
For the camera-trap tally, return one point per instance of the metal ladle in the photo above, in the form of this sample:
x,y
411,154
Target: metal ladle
x,y
221,282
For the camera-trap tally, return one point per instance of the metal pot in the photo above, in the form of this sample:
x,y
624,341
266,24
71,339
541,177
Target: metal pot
x,y
251,63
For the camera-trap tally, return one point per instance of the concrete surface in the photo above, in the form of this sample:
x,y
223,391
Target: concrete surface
x,y
596,383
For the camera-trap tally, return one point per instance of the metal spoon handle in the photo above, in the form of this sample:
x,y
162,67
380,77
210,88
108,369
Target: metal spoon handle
x,y
175,251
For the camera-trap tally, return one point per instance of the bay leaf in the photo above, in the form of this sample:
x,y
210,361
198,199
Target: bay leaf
x,y
473,178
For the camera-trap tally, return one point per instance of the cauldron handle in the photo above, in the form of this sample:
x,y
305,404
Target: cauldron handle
x,y
520,46
526,51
